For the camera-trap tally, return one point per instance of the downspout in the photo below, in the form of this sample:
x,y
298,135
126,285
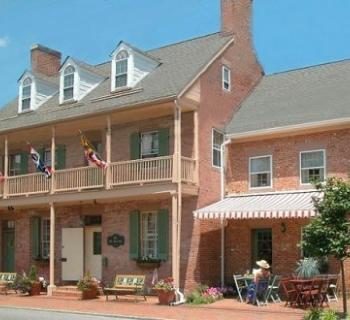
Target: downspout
x,y
223,220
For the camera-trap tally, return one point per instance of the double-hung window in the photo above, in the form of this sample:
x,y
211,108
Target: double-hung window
x,y
149,235
45,238
68,83
121,69
226,78
217,140
260,172
149,144
26,94
312,166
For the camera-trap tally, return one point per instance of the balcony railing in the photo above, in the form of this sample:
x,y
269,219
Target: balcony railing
x,y
122,173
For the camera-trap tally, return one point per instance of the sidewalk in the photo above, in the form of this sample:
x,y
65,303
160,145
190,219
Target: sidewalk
x,y
227,309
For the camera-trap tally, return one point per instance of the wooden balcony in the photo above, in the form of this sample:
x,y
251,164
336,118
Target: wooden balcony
x,y
117,174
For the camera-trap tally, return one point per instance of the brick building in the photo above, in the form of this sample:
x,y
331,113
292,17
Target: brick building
x,y
293,128
157,118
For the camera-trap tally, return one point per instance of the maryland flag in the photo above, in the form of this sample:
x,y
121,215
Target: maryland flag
x,y
39,164
90,153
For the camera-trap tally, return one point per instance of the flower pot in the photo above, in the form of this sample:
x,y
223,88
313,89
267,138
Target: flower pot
x,y
89,293
165,297
148,264
35,289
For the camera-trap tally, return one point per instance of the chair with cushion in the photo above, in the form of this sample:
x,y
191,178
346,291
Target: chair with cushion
x,y
262,292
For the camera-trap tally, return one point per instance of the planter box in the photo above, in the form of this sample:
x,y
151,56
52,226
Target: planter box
x,y
89,294
148,264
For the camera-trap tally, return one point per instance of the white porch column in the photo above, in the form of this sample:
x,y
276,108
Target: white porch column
x,y
196,145
52,286
174,237
108,152
6,168
53,158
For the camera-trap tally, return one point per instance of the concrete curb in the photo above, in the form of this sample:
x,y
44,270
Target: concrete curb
x,y
107,315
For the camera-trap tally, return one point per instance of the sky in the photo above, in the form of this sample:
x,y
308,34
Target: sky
x,y
287,34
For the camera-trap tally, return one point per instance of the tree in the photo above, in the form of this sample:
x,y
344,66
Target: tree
x,y
329,233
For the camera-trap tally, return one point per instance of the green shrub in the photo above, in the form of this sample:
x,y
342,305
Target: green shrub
x,y
307,268
204,295
319,314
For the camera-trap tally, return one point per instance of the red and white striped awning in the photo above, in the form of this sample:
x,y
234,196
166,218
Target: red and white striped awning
x,y
297,204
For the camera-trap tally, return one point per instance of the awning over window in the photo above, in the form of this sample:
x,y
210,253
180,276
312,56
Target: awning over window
x,y
298,204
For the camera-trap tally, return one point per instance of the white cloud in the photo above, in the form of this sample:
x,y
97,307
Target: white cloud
x,y
3,42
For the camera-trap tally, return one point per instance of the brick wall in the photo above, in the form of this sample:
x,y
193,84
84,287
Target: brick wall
x,y
45,60
285,159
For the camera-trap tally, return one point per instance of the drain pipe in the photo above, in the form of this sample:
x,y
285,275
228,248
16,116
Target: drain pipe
x,y
223,220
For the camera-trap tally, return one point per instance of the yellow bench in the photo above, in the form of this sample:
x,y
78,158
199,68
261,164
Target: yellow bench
x,y
125,285
6,278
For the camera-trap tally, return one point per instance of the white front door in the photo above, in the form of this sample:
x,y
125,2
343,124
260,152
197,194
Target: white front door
x,y
93,254
72,253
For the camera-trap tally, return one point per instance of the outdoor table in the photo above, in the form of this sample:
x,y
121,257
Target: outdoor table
x,y
300,285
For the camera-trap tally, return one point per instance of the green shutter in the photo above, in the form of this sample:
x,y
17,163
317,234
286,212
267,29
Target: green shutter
x,y
24,163
36,236
60,157
134,234
164,142
135,146
163,234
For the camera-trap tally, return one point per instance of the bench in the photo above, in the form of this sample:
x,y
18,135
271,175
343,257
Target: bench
x,y
126,285
6,279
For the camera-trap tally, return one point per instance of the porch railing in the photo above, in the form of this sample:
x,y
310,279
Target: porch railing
x,y
141,171
79,179
26,184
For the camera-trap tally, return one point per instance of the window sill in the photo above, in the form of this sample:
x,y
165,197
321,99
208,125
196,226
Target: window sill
x,y
148,263
67,102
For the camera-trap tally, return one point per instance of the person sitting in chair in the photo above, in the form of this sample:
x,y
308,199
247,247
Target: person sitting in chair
x,y
260,274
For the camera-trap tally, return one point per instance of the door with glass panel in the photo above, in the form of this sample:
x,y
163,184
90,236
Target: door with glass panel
x,y
8,246
261,246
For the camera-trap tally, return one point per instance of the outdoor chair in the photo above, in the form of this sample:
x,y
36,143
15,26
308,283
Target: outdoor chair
x,y
289,292
332,288
274,288
261,292
241,286
323,289
311,296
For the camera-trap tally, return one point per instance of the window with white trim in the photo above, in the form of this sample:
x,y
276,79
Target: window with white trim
x,y
45,238
217,141
226,78
312,166
149,144
121,69
149,235
260,172
26,94
47,157
68,83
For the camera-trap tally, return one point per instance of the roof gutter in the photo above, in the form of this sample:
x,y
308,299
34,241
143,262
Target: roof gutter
x,y
205,68
290,128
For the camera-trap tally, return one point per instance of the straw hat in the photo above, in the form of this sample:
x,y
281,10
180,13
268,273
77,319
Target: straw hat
x,y
263,264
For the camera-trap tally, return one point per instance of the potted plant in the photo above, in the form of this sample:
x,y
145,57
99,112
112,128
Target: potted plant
x,y
165,290
307,268
88,287
28,284
148,262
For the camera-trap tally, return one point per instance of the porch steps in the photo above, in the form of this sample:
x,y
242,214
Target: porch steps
x,y
67,292
71,292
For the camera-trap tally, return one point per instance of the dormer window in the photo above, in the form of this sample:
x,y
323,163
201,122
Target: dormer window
x,y
121,69
26,94
68,83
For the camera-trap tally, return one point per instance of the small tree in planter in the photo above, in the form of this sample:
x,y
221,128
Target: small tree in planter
x,y
307,268
88,286
28,284
165,289
329,234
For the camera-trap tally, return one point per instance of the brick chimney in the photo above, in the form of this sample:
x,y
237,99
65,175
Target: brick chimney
x,y
236,18
45,60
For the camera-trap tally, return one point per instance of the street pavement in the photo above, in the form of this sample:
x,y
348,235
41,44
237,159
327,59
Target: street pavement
x,y
28,314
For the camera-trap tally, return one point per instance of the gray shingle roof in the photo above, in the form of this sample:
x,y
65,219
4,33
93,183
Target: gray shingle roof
x,y
180,63
295,97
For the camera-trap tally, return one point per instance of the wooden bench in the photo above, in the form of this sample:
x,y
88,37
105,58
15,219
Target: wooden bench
x,y
125,285
6,278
